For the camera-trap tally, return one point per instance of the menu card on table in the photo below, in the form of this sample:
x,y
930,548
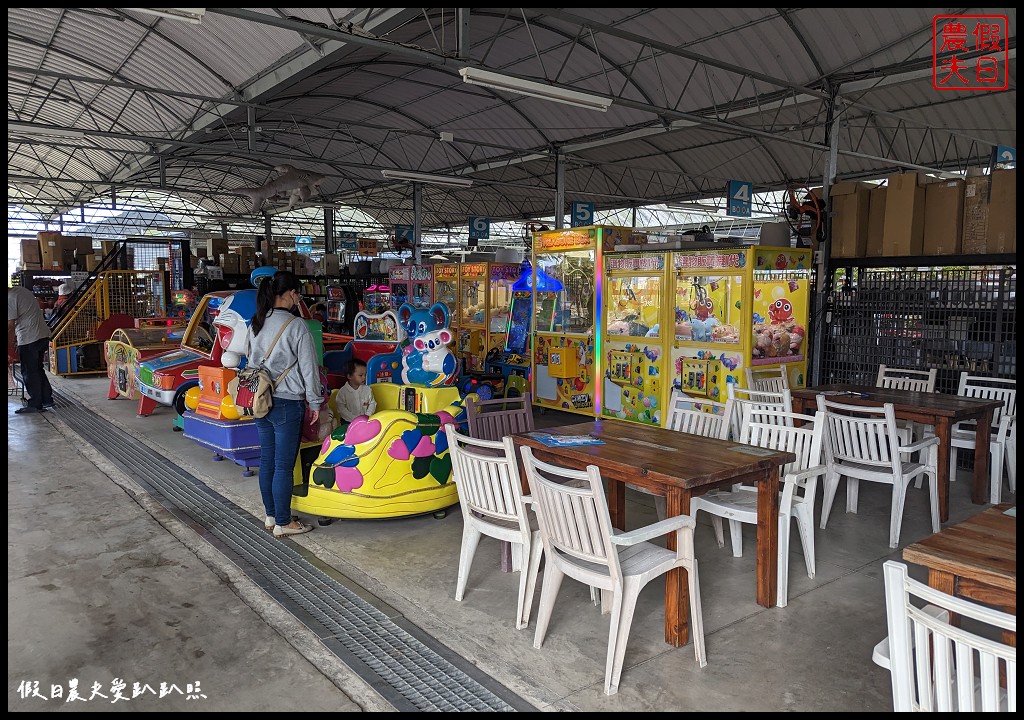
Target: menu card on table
x,y
564,440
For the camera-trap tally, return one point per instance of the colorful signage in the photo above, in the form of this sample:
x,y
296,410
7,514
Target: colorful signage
x,y
564,240
709,261
636,263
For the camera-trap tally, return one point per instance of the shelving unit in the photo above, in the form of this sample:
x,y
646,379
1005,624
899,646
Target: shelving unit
x,y
915,313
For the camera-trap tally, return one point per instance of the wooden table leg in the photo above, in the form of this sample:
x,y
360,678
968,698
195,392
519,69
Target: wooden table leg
x,y
768,538
982,438
617,504
943,433
677,591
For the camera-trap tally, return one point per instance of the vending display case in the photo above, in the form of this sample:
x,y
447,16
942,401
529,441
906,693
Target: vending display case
x,y
566,362
736,308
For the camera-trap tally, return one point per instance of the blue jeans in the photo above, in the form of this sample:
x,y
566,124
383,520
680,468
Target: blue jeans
x,y
280,432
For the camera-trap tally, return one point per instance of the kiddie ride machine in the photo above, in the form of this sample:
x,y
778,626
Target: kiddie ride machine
x,y
372,334
213,420
733,308
395,462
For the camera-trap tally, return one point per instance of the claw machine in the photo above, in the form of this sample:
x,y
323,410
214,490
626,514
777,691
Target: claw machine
x,y
635,336
471,343
567,341
502,278
446,290
413,284
739,307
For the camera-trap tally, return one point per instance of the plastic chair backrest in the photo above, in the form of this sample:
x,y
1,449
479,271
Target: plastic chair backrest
x,y
487,475
746,401
778,430
500,417
768,379
573,518
939,667
861,434
906,379
698,417
990,388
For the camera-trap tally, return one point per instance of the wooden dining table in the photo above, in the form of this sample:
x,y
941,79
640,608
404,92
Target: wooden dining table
x,y
974,559
939,410
678,466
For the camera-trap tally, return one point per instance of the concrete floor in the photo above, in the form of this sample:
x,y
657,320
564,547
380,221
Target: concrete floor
x,y
104,583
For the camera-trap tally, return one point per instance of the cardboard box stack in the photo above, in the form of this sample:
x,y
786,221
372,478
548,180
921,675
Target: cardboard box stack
x,y
330,265
903,232
975,234
215,247
52,246
31,257
1002,213
92,262
876,221
230,262
943,217
850,213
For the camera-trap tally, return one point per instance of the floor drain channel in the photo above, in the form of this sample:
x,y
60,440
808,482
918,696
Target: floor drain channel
x,y
404,665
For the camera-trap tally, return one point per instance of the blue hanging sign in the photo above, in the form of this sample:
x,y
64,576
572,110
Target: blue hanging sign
x,y
582,214
1006,154
303,244
479,228
740,194
348,240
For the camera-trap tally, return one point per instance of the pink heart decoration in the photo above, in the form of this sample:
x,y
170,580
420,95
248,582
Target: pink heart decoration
x,y
347,479
445,418
326,445
361,429
398,450
424,448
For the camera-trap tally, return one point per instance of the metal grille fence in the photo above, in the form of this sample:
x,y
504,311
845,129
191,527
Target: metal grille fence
x,y
949,318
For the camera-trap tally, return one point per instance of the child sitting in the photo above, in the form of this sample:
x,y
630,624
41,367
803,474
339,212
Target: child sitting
x,y
354,397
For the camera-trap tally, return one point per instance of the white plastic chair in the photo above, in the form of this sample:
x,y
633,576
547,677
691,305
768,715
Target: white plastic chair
x,y
579,542
862,443
746,401
799,486
963,435
939,667
774,379
706,418
490,491
907,379
1011,454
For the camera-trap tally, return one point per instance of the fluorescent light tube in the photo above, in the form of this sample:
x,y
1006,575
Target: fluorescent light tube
x,y
189,15
426,178
496,81
42,130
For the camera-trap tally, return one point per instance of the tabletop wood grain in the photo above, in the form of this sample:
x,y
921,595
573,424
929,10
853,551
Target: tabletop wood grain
x,y
954,407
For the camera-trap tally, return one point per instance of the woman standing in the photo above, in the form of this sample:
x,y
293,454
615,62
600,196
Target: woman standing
x,y
285,349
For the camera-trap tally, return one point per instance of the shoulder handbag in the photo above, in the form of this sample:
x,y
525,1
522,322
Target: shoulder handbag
x,y
254,386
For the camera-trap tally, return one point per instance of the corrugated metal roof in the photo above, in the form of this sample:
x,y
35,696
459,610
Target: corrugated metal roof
x,y
347,100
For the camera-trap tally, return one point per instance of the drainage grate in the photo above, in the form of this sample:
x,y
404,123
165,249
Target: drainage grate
x,y
407,667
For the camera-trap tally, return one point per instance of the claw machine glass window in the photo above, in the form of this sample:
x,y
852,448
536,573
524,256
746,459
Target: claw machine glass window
x,y
499,305
421,287
471,344
398,276
446,288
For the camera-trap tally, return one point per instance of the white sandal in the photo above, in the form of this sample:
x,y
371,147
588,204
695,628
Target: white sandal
x,y
281,531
